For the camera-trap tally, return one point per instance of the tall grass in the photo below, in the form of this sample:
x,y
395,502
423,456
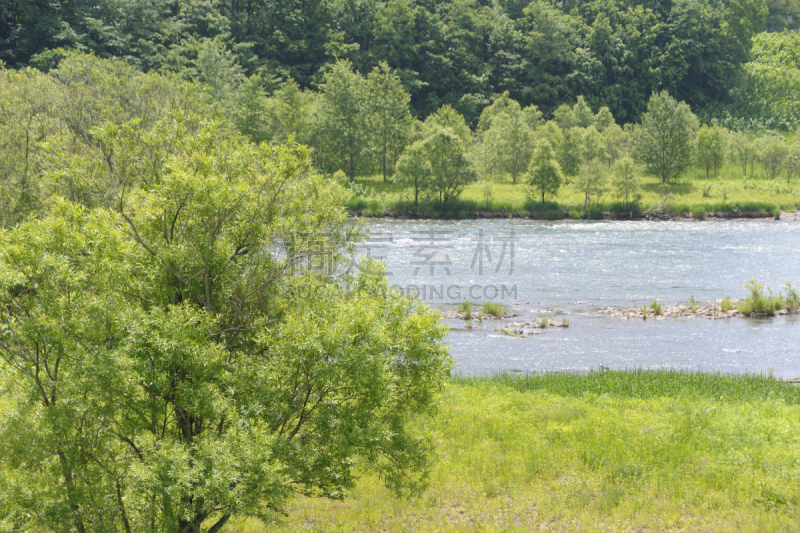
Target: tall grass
x,y
604,451
641,383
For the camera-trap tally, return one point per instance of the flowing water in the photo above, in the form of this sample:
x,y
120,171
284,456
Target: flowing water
x,y
574,269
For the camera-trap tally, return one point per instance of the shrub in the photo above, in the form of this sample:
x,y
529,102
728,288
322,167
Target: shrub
x,y
792,298
493,309
758,303
726,304
656,307
464,307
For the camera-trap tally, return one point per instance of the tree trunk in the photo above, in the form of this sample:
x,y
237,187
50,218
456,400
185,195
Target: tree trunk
x,y
383,161
73,505
352,169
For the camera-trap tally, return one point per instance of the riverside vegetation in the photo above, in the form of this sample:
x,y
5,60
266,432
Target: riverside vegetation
x,y
758,303
619,450
174,357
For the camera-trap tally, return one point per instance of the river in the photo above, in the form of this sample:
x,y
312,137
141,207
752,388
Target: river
x,y
573,269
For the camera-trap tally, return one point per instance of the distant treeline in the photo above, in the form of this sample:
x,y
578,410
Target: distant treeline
x,y
458,52
358,126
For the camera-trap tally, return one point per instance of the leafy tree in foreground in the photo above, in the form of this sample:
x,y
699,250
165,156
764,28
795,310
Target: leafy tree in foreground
x,y
186,353
665,140
544,171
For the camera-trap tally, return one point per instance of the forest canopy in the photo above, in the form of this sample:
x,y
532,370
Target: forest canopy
x,y
459,52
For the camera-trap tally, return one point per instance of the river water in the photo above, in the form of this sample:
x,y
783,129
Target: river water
x,y
574,269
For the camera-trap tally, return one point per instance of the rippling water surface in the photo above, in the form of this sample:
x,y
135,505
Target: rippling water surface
x,y
572,269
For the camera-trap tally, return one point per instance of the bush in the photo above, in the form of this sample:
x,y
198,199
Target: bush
x,y
656,307
464,307
494,309
758,303
792,298
726,304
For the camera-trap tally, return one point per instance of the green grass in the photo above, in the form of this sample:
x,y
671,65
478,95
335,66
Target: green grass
x,y
730,193
618,451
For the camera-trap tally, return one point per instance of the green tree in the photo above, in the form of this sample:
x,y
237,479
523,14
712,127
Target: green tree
x,y
591,181
182,356
451,170
564,116
544,171
343,119
604,119
289,112
617,142
28,102
773,153
570,151
743,148
390,115
665,140
582,113
414,168
792,162
506,137
711,148
626,181
593,145
447,117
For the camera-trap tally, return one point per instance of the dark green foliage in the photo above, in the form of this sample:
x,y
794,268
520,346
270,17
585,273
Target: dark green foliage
x,y
458,52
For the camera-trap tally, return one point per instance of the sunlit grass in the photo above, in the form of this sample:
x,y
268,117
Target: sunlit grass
x,y
730,192
626,451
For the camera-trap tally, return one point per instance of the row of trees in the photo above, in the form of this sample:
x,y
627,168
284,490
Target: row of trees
x,y
361,125
458,52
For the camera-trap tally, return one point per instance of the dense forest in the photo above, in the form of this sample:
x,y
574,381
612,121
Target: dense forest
x,y
458,52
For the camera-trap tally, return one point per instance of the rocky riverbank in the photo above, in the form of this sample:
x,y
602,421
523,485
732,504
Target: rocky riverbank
x,y
534,327
711,311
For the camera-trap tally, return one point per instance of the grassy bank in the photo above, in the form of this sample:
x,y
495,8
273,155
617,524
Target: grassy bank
x,y
729,195
626,451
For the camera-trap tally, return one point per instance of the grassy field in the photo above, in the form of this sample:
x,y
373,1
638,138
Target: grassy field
x,y
729,193
619,451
